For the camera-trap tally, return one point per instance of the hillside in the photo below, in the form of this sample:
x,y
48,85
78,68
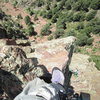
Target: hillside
x,y
41,30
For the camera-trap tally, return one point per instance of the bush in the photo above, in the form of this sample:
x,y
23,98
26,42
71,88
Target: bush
x,y
49,14
91,15
58,33
12,28
96,59
15,3
46,30
90,41
2,14
43,13
80,26
87,31
27,20
69,16
30,30
19,16
80,16
54,18
39,3
82,39
71,33
35,17
96,29
94,26
95,4
50,37
68,5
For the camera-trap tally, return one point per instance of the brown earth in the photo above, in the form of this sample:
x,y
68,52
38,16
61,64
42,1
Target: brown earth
x,y
88,78
10,10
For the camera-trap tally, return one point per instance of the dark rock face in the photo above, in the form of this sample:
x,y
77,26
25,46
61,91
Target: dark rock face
x,y
3,33
9,84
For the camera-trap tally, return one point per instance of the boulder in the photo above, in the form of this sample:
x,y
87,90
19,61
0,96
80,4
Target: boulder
x,y
2,42
22,42
54,53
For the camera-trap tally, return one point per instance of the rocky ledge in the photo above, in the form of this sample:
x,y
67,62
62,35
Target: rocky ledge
x,y
26,65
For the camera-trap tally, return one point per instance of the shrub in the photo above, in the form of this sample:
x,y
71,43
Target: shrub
x,y
35,17
12,28
69,16
95,4
19,16
96,29
96,59
80,16
82,39
94,26
15,3
43,13
71,33
80,5
39,3
54,18
91,15
50,37
80,26
68,5
87,31
49,14
27,20
2,14
46,30
90,41
58,33
30,30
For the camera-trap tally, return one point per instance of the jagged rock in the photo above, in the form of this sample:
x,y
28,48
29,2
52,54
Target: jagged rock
x,y
53,53
28,49
2,42
13,59
23,42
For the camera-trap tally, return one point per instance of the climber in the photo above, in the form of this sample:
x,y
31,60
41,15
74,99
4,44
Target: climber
x,y
38,89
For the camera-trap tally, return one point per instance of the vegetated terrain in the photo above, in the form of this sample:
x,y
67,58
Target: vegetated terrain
x,y
54,19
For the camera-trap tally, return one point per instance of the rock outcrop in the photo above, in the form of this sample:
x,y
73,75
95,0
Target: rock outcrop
x,y
27,65
14,60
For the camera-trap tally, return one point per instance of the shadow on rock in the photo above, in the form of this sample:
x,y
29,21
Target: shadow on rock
x,y
9,84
